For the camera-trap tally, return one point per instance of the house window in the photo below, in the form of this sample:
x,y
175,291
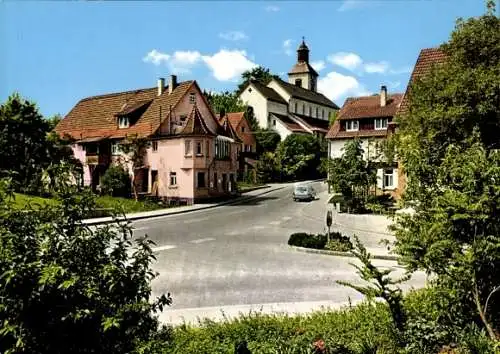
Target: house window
x,y
389,178
187,147
303,108
155,145
317,112
173,178
201,179
199,150
216,183
192,98
250,90
323,114
381,123
183,117
310,111
352,125
274,122
115,149
242,129
296,108
298,82
123,122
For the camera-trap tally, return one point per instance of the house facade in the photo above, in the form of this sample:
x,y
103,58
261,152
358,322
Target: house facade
x,y
190,156
294,106
369,118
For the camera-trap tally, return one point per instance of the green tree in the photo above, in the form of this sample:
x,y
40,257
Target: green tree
x,y
116,181
300,156
268,168
225,102
68,288
259,73
267,140
23,143
352,176
448,144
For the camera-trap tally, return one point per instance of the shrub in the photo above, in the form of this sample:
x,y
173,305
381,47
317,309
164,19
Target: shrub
x,y
302,239
116,182
340,244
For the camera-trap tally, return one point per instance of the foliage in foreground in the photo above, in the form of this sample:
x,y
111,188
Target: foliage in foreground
x,y
338,242
68,288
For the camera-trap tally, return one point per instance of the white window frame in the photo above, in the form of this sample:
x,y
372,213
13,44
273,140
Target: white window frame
x,y
154,145
173,178
187,147
115,149
192,98
379,123
199,148
389,176
123,122
352,125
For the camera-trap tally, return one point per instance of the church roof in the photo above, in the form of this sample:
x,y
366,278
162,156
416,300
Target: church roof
x,y
268,92
303,67
306,95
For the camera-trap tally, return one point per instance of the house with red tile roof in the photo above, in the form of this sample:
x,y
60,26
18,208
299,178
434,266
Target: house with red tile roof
x,y
247,151
368,119
293,106
192,156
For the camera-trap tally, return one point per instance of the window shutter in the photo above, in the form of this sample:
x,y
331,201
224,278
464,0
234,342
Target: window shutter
x,y
380,178
395,177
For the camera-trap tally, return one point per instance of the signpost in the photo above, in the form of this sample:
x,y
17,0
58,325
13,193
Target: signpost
x,y
329,220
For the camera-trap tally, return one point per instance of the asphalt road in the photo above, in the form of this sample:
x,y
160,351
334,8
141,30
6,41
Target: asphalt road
x,y
238,255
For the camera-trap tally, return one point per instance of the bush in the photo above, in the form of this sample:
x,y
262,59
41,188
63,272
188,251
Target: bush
x,y
116,182
340,244
302,239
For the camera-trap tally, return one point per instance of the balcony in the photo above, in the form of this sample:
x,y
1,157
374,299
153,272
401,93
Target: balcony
x,y
197,162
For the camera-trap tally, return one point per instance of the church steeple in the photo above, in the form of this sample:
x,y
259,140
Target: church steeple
x,y
303,52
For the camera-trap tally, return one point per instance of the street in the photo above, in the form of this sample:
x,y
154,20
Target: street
x,y
237,255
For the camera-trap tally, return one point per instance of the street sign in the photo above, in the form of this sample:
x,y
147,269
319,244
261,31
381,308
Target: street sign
x,y
329,218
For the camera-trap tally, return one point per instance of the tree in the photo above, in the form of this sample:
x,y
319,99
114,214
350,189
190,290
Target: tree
x,y
268,168
300,156
267,140
448,144
225,102
259,73
352,176
116,181
134,148
68,288
23,143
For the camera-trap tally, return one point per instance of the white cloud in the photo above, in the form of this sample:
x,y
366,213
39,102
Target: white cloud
x,y
337,86
156,57
318,65
227,65
272,8
349,61
233,35
380,67
287,46
180,62
402,70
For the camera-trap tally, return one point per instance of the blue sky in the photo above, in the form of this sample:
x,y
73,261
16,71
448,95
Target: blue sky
x,y
58,52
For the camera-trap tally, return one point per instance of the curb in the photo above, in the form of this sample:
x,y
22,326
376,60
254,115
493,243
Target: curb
x,y
342,254
167,211
254,189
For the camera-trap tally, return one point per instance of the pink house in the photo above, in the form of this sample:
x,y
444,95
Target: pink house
x,y
191,156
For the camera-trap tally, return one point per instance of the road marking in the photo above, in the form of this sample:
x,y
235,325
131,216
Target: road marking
x,y
163,248
258,227
201,240
285,218
275,222
195,220
232,233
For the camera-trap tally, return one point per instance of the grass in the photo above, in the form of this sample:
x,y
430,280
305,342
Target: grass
x,y
245,185
350,330
103,202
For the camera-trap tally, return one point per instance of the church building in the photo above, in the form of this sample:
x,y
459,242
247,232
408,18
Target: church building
x,y
294,106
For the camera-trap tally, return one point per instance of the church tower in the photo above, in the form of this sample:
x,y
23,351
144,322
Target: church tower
x,y
302,73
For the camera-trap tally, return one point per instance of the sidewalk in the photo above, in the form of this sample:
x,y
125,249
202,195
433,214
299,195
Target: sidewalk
x,y
189,208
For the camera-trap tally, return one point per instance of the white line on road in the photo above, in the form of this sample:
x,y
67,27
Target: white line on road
x,y
195,220
275,222
163,248
201,240
258,227
285,218
232,233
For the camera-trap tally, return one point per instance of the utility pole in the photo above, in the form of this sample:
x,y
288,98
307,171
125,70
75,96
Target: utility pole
x,y
328,223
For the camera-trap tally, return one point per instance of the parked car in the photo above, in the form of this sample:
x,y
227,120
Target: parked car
x,y
304,192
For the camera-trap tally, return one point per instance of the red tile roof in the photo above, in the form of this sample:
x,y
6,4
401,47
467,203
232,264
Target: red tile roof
x,y
336,133
195,124
96,116
425,61
369,107
235,118
290,124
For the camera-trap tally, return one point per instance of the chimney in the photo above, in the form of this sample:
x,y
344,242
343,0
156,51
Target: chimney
x,y
161,85
383,96
172,83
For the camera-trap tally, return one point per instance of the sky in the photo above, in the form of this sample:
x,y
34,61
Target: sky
x,y
56,53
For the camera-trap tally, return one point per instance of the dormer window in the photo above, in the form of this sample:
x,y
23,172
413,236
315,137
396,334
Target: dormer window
x,y
352,125
381,123
192,98
123,122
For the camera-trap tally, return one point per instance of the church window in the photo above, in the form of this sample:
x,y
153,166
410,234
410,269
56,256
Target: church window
x,y
298,82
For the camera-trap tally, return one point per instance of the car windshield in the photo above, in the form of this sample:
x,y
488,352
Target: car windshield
x,y
301,189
